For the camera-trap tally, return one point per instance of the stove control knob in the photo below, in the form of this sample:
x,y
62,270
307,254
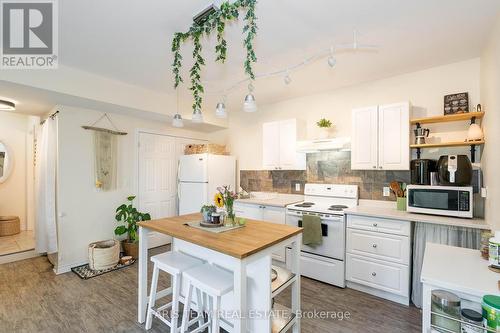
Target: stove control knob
x,y
374,246
374,274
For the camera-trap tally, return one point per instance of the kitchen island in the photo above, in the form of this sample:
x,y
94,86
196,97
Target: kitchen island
x,y
247,253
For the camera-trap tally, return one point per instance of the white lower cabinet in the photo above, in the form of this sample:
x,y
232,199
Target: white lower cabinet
x,y
378,258
263,213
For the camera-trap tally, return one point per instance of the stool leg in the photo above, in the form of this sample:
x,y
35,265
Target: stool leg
x,y
176,289
187,308
210,311
199,300
152,297
215,314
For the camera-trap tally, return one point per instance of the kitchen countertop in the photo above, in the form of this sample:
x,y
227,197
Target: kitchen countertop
x,y
239,243
273,199
470,275
388,210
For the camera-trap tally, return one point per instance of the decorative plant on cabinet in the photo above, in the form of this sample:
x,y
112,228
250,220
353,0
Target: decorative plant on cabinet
x,y
128,214
325,126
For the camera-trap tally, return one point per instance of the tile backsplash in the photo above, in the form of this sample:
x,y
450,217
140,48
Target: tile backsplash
x,y
325,167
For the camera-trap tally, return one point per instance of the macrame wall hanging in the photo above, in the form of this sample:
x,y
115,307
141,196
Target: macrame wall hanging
x,y
105,154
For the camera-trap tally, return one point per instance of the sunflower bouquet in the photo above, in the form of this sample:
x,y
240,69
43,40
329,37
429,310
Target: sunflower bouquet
x,y
225,197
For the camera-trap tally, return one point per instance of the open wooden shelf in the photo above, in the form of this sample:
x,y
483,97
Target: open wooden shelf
x,y
449,144
449,118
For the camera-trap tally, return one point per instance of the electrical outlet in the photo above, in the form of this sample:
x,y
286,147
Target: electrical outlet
x,y
387,191
297,187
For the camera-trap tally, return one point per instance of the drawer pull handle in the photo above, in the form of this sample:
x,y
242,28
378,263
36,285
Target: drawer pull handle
x,y
375,224
374,246
374,274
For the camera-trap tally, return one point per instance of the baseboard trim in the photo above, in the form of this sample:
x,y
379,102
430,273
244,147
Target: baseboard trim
x,y
379,293
6,258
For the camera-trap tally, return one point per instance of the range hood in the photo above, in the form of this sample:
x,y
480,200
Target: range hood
x,y
319,145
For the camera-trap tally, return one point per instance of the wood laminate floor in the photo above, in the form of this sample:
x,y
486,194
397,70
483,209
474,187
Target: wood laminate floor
x,y
23,241
33,299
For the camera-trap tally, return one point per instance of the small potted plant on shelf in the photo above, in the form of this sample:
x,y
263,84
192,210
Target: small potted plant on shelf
x,y
207,211
128,214
325,126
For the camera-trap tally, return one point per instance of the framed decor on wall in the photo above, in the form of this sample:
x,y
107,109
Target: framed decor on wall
x,y
456,103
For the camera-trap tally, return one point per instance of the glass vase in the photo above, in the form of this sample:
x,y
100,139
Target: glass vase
x,y
231,217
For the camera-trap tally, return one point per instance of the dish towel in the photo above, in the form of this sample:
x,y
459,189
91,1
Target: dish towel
x,y
312,234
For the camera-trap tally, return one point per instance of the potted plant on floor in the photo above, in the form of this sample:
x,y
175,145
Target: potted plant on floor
x,y
128,214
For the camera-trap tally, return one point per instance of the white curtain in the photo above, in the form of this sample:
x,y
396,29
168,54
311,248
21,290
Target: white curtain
x,y
45,183
440,234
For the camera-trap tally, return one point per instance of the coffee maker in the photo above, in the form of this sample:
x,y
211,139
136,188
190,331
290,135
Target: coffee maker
x,y
420,135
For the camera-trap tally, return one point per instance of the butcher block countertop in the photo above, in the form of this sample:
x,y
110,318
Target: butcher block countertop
x,y
239,243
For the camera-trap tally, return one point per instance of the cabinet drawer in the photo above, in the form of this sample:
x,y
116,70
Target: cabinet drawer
x,y
379,225
377,245
389,277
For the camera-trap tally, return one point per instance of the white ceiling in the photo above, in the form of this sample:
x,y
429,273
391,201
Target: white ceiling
x,y
130,41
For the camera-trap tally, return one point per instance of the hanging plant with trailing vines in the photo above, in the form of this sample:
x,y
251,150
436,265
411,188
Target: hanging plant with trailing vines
x,y
215,21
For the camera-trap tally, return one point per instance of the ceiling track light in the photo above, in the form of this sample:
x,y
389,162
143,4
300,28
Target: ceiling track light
x,y
331,59
250,105
197,116
177,120
220,109
7,106
287,79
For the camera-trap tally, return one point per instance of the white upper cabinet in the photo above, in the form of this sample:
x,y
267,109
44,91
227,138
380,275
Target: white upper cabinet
x,y
270,145
279,146
394,136
364,138
380,137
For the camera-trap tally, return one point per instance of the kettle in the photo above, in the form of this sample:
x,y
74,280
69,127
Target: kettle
x,y
454,170
420,135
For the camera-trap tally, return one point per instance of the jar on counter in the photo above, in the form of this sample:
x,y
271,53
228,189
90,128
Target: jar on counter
x,y
474,318
494,247
491,312
448,304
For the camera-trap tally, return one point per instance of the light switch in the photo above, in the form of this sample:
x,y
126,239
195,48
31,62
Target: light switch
x,y
387,191
297,187
484,192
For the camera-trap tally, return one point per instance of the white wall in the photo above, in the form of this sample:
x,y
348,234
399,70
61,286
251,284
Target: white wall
x,y
87,215
490,97
424,89
15,132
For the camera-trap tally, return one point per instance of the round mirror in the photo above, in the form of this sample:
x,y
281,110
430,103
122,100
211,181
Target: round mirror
x,y
6,162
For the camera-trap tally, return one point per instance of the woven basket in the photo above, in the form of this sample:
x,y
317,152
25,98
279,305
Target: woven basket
x,y
104,254
9,225
203,148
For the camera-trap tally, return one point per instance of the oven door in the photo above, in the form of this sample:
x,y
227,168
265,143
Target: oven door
x,y
333,228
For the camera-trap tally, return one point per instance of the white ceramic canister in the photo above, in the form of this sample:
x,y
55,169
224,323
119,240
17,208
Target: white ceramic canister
x,y
494,246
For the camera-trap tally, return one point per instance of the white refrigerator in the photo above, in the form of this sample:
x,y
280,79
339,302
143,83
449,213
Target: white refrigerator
x,y
199,177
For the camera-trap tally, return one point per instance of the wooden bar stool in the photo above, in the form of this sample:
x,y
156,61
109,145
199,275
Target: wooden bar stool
x,y
174,263
215,283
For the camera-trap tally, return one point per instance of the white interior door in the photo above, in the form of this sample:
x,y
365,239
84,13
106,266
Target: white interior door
x,y
157,180
364,139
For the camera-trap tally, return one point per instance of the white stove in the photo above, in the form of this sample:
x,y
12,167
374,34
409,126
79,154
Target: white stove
x,y
325,262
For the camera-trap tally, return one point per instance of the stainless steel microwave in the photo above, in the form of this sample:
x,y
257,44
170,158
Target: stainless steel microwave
x,y
453,201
